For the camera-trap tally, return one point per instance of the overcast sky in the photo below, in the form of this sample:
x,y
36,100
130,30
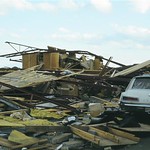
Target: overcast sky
x,y
117,28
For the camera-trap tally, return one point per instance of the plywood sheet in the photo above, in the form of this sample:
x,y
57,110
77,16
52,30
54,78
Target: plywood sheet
x,y
132,69
29,77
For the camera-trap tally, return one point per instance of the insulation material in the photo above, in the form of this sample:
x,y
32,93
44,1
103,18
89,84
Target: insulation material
x,y
46,113
19,137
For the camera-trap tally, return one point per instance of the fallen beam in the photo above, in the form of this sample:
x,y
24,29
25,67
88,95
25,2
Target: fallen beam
x,y
132,69
41,97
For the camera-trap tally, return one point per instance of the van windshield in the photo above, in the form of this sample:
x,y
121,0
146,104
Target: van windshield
x,y
141,83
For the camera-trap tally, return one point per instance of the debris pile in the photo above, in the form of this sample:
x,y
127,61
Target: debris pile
x,y
66,103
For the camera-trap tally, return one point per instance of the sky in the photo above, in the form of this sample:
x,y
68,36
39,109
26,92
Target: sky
x,y
109,28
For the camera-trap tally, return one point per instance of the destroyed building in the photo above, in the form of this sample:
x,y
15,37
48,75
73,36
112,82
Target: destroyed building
x,y
62,99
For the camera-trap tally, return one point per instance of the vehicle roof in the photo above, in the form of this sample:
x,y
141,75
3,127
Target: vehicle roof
x,y
144,75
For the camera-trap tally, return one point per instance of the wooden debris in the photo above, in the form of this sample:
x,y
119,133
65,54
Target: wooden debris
x,y
104,138
29,77
124,134
72,144
44,128
105,103
19,146
132,69
98,100
12,111
18,140
144,128
61,138
29,89
6,143
106,135
42,147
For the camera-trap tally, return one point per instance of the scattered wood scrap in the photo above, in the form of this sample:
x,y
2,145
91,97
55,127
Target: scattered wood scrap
x,y
40,109
103,137
29,77
18,140
144,128
133,69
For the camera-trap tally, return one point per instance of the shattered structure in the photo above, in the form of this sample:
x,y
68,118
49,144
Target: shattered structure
x,y
59,94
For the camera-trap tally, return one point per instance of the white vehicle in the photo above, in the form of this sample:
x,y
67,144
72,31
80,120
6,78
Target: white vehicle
x,y
137,95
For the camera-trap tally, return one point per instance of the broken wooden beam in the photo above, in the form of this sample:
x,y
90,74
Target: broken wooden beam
x,y
124,134
103,138
132,69
40,97
106,135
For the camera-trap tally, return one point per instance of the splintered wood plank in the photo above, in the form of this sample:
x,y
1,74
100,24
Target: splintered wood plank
x,y
28,144
124,134
132,69
12,111
6,143
142,128
91,137
120,139
100,100
47,128
106,135
85,135
41,147
103,138
15,98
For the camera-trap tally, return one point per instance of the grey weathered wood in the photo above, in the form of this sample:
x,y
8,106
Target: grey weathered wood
x,y
132,69
29,77
61,138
